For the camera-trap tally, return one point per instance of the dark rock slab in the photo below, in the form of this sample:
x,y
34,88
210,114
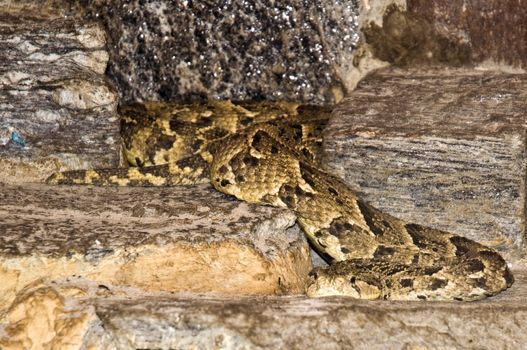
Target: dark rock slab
x,y
171,239
108,317
57,110
440,147
181,50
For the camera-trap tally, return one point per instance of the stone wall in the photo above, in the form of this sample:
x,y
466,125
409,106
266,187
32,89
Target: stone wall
x,y
495,30
293,50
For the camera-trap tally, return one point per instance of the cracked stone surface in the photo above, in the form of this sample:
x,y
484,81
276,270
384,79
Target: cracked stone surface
x,y
171,239
444,148
292,50
83,314
57,110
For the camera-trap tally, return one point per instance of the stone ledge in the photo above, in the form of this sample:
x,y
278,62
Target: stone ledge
x,y
84,314
172,239
440,147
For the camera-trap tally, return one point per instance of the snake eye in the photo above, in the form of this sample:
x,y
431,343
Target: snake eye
x,y
313,274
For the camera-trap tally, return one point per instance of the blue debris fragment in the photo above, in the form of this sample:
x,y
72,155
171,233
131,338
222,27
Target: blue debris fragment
x,y
16,138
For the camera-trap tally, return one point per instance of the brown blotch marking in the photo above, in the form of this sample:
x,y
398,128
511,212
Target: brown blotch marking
x,y
418,238
333,191
185,162
246,121
286,194
215,133
337,228
422,297
257,138
344,250
474,266
274,149
176,125
386,223
382,251
297,132
492,256
287,188
369,213
236,161
161,171
288,200
480,282
196,145
301,193
437,283
304,171
430,270
394,269
307,153
223,169
204,122
462,244
250,160
319,234
509,278
406,283
240,178
165,141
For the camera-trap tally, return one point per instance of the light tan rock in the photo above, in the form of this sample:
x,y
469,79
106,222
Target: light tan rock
x,y
171,239
439,147
44,317
80,314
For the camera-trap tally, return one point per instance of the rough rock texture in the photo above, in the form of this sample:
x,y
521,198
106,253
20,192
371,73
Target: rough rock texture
x,y
495,29
80,314
48,9
172,239
444,148
295,50
408,39
57,111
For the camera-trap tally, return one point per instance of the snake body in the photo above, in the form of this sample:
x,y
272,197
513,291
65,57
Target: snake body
x,y
269,153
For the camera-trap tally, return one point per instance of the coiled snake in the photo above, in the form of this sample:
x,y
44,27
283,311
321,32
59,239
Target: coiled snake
x,y
268,153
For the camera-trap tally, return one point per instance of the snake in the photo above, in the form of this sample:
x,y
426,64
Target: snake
x,y
270,153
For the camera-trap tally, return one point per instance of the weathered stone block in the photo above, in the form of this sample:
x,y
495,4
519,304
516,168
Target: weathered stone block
x,y
172,239
57,111
444,148
82,314
292,50
495,30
